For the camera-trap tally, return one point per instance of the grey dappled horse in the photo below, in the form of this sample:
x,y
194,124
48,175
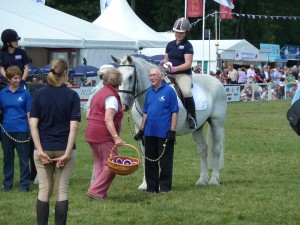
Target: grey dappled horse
x,y
135,85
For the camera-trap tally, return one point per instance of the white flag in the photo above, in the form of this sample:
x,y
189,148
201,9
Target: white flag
x,y
226,3
104,4
40,1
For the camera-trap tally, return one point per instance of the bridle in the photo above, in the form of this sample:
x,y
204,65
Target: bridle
x,y
135,83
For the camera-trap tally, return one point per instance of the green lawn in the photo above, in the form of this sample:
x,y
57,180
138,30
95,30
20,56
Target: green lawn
x,y
260,183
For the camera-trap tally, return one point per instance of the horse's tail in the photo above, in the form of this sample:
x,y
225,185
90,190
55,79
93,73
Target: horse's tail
x,y
209,145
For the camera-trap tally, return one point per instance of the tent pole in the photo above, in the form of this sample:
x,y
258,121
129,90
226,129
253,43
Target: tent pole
x,y
203,27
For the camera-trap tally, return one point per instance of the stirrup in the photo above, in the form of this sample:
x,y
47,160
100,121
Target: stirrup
x,y
192,122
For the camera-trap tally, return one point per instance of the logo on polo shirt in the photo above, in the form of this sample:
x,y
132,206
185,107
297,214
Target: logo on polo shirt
x,y
20,99
18,57
162,99
181,47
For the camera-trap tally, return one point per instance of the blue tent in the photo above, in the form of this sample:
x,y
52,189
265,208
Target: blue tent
x,y
156,59
85,71
33,70
46,69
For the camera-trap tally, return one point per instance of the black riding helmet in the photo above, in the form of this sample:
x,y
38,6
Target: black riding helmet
x,y
9,35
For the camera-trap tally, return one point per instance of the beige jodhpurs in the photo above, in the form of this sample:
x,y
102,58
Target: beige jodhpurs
x,y
53,178
184,82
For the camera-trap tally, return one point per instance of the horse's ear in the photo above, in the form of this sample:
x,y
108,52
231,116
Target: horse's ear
x,y
129,59
116,60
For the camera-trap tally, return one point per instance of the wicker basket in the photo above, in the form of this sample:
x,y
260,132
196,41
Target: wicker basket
x,y
122,169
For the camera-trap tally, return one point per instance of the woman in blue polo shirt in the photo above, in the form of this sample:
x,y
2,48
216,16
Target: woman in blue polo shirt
x,y
15,104
12,55
158,124
180,53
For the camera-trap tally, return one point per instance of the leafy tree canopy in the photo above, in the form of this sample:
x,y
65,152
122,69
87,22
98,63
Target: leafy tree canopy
x,y
160,16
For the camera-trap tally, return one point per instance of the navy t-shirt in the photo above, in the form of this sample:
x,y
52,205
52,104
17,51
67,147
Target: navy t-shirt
x,y
18,58
55,107
176,53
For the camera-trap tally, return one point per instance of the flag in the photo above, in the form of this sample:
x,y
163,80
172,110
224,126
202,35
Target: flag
x,y
104,4
226,3
225,12
194,8
40,1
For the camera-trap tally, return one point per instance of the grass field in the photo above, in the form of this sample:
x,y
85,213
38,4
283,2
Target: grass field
x,y
260,183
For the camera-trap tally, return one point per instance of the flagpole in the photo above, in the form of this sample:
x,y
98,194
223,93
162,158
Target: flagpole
x,y
185,6
203,27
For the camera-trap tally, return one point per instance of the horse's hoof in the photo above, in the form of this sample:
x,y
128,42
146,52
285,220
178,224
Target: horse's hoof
x,y
143,187
214,181
202,182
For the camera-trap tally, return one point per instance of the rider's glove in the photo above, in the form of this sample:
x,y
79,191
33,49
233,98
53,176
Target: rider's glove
x,y
171,136
139,135
162,62
171,69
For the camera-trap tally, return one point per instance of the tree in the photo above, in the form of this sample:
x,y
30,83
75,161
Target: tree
x,y
161,15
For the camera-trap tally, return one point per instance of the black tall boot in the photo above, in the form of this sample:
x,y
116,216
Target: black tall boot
x,y
190,107
42,212
61,212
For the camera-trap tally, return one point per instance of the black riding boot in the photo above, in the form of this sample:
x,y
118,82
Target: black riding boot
x,y
190,106
61,212
42,212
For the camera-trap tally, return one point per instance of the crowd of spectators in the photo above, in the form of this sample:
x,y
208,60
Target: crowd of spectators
x,y
261,83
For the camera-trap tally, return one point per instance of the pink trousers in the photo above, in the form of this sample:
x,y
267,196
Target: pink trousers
x,y
103,176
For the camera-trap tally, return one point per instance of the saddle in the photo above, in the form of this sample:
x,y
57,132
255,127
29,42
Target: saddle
x,y
200,97
171,80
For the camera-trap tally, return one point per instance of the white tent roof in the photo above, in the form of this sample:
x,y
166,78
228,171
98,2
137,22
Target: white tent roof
x,y
119,17
42,26
226,49
242,46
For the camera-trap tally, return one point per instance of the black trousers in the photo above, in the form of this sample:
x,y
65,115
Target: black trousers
x,y
159,173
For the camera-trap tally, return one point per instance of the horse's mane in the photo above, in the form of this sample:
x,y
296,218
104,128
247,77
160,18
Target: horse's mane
x,y
142,61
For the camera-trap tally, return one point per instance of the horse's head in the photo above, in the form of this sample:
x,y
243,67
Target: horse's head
x,y
127,89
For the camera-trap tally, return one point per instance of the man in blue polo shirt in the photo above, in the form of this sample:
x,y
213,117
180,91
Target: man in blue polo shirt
x,y
158,124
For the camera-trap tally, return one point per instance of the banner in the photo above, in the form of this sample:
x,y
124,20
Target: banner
x,y
233,93
226,3
194,8
292,52
272,50
225,12
104,4
246,56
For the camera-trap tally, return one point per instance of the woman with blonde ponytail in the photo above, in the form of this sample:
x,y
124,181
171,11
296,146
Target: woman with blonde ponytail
x,y
54,117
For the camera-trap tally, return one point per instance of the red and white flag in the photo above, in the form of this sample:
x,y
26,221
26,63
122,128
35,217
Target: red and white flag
x,y
194,8
225,12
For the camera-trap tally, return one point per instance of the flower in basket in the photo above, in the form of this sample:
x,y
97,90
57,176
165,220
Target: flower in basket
x,y
119,161
127,162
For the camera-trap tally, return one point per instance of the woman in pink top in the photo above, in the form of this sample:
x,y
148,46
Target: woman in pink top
x,y
242,76
103,129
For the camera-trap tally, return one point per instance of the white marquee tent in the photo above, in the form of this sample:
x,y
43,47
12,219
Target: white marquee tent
x,y
120,18
41,26
227,50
